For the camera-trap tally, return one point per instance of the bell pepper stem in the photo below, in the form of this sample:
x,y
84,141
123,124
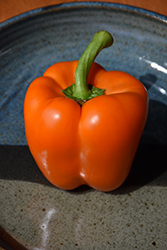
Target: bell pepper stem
x,y
81,90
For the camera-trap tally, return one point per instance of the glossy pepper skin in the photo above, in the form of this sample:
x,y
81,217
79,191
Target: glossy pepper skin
x,y
93,143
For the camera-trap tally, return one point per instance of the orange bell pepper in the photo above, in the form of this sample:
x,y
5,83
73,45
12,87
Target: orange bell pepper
x,y
85,134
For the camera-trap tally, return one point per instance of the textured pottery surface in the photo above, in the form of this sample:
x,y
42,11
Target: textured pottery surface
x,y
38,216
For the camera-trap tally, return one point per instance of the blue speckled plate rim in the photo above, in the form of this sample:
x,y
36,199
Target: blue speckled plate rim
x,y
72,5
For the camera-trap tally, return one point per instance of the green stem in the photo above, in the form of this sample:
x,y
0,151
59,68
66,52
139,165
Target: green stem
x,y
81,90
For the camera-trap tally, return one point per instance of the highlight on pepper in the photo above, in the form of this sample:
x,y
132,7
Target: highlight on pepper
x,y
83,124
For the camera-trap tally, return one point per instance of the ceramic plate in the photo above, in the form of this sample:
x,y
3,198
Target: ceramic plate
x,y
34,214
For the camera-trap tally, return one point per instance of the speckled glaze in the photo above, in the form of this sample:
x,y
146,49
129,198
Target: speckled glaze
x,y
35,215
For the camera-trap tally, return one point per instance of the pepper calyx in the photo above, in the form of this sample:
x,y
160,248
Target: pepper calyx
x,y
94,92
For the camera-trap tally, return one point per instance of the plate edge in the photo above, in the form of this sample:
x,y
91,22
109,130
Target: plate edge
x,y
87,4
